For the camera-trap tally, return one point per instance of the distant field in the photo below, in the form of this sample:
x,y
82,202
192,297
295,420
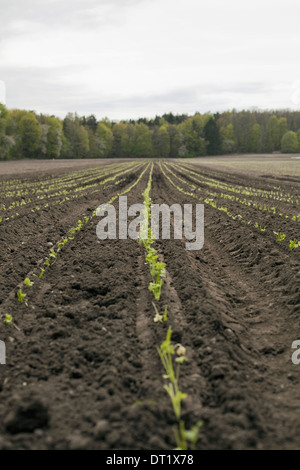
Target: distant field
x,y
20,167
262,164
257,164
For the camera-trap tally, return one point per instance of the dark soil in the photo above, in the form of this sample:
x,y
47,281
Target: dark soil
x,y
82,368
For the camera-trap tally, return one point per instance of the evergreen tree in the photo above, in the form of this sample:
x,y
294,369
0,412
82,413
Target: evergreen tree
x,y
212,137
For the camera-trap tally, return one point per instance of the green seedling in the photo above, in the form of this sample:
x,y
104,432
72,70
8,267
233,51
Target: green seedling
x,y
166,352
22,297
41,273
294,244
8,319
157,270
28,282
160,270
187,439
158,317
155,287
61,244
165,317
279,236
52,255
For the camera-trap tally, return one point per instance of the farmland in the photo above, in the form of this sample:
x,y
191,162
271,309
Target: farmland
x,y
91,326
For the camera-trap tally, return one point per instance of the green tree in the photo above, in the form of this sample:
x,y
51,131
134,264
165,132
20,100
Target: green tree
x,y
7,142
212,136
13,131
43,141
142,141
13,121
96,146
256,143
77,138
30,132
274,135
176,139
193,142
228,139
161,142
123,139
3,111
282,125
289,142
90,122
105,135
243,124
128,141
54,136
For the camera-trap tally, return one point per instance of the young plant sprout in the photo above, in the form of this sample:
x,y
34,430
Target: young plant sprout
x,y
157,268
22,297
41,273
158,317
187,439
166,352
279,236
28,282
294,244
8,319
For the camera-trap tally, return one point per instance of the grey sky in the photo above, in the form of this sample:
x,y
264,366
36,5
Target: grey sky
x,y
134,58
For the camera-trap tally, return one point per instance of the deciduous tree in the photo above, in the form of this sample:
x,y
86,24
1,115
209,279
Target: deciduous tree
x,y
289,142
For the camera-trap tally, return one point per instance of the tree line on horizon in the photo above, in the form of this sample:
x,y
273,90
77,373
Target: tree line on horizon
x,y
26,134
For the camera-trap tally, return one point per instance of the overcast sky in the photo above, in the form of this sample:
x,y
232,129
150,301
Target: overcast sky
x,y
134,58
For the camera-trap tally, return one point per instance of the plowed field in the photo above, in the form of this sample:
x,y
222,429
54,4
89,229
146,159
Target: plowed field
x,y
82,369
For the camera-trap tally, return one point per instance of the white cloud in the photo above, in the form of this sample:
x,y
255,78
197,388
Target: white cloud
x,y
145,57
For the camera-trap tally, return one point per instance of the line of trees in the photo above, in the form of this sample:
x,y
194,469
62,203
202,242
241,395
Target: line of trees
x,y
26,134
